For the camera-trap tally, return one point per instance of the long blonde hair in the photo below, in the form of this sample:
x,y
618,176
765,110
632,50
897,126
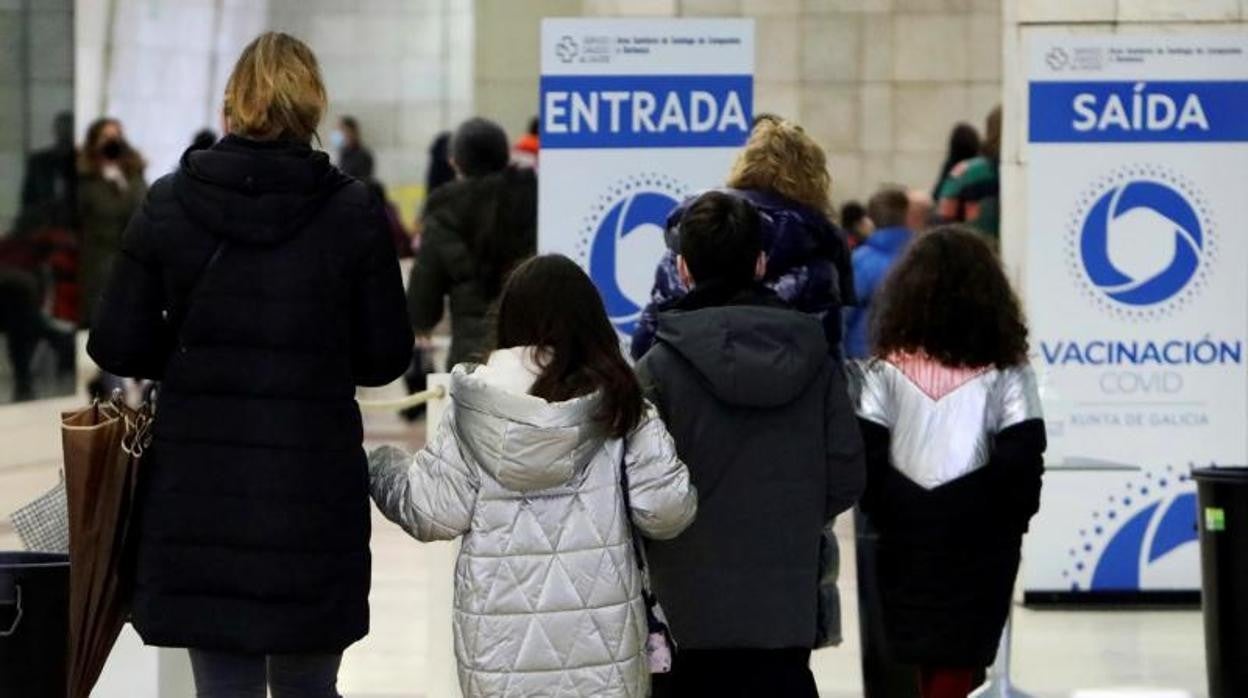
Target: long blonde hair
x,y
780,157
275,90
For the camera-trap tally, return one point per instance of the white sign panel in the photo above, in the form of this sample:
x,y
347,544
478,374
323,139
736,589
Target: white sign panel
x,y
1137,151
636,115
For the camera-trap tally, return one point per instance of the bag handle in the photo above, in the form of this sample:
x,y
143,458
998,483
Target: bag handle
x,y
16,602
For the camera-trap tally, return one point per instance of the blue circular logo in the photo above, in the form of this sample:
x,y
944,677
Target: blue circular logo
x,y
1140,241
624,241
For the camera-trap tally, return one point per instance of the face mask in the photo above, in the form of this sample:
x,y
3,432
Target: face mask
x,y
336,139
112,149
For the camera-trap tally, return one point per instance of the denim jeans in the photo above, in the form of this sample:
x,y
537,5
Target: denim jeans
x,y
231,675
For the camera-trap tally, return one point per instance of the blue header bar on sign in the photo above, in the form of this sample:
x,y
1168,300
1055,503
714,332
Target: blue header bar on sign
x,y
1138,112
646,111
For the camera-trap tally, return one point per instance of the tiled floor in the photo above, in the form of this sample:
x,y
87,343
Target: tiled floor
x,y
1056,652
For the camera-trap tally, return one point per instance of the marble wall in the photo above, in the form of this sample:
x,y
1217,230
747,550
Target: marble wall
x,y
36,82
508,57
402,67
879,83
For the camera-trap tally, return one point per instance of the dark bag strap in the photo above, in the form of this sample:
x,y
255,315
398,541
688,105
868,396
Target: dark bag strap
x,y
178,315
653,623
638,552
182,310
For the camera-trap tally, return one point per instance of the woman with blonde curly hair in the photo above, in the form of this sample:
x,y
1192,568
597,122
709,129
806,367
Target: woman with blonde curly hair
x,y
783,172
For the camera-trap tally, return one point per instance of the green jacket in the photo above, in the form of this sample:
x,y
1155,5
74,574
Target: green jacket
x,y
104,210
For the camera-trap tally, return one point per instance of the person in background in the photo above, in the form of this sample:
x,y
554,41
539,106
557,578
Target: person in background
x,y
921,210
474,231
50,182
955,440
784,174
883,676
354,158
39,261
402,241
963,145
761,414
439,171
110,189
890,209
23,325
546,461
204,139
856,223
971,192
259,284
525,150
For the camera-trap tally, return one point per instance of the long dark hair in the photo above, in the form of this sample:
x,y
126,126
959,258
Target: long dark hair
x,y
440,171
963,145
948,298
549,302
991,145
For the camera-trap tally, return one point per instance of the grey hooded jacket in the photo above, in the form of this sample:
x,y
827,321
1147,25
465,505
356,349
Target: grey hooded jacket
x,y
762,416
547,590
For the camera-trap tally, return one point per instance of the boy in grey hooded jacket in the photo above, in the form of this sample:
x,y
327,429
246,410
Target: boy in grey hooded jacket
x,y
762,415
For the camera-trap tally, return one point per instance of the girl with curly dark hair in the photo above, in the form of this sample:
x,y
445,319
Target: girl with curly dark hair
x,y
950,414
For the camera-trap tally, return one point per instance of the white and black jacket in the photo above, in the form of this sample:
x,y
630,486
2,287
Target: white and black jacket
x,y
954,466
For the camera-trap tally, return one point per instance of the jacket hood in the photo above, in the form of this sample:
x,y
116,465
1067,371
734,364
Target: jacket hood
x,y
524,442
255,192
454,202
749,355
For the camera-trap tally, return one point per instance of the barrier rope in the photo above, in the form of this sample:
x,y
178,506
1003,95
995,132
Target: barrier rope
x,y
412,400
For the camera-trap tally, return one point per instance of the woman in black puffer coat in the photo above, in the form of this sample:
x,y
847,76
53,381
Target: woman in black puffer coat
x,y
260,285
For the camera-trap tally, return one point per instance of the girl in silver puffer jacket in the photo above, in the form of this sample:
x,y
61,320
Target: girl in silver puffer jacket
x,y
527,467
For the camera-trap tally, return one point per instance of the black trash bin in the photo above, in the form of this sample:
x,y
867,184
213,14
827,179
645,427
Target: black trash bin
x,y
34,624
1224,577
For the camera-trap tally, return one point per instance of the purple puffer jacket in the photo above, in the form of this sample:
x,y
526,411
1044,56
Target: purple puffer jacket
x,y
808,265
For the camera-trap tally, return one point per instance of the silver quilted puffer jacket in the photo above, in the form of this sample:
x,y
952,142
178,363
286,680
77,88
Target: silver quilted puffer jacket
x,y
547,590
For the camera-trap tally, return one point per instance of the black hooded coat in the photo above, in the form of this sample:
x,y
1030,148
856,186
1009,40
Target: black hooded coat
x,y
260,285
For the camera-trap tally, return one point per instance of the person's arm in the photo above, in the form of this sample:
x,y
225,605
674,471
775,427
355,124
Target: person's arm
x,y
663,499
865,277
870,395
430,280
846,469
667,288
1019,444
1020,450
949,200
30,184
431,495
791,286
875,440
381,346
129,333
843,264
